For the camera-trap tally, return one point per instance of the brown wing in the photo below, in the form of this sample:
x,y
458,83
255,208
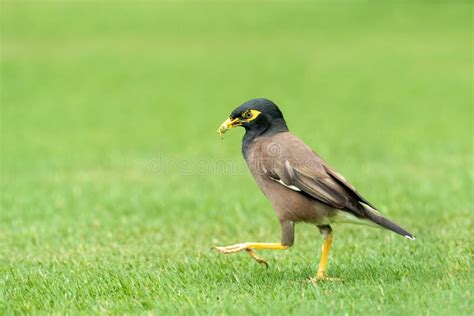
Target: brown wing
x,y
286,159
295,165
349,187
321,186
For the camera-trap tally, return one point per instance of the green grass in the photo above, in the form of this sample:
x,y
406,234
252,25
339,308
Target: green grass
x,y
111,196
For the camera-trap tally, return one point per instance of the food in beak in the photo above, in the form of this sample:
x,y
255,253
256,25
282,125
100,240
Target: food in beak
x,y
227,125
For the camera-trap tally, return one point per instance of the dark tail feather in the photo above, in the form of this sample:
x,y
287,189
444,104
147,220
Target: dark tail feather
x,y
382,221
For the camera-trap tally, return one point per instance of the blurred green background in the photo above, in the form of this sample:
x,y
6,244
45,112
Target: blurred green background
x,y
111,198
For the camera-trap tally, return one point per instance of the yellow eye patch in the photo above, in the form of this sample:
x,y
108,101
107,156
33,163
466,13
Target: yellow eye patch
x,y
250,115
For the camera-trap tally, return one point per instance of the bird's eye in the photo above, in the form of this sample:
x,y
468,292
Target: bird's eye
x,y
247,115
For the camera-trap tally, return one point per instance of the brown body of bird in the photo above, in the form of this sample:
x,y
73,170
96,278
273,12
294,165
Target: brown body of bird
x,y
299,184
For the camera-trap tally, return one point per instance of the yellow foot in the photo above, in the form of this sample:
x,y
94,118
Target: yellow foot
x,y
241,247
321,277
232,249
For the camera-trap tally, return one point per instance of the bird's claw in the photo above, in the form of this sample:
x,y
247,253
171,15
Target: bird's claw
x,y
256,257
241,247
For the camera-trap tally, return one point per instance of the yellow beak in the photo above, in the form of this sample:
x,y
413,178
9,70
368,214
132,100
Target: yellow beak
x,y
227,125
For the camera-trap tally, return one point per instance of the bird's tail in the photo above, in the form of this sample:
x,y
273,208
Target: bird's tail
x,y
378,219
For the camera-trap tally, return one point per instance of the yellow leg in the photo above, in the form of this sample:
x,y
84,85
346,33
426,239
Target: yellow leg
x,y
321,274
251,245
248,246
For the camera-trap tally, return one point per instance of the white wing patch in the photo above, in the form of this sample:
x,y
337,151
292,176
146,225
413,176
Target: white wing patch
x,y
289,186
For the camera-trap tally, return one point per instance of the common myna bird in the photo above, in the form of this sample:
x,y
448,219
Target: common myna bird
x,y
300,185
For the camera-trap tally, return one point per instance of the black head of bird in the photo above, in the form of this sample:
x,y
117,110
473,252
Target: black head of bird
x,y
257,116
300,185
